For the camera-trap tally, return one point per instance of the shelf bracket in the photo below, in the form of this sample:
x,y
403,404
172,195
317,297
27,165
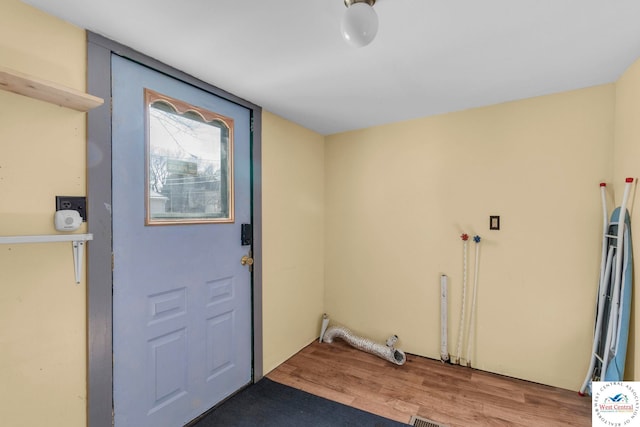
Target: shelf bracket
x,y
78,250
77,240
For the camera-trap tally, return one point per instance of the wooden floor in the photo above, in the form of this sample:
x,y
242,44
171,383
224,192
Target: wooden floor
x,y
449,394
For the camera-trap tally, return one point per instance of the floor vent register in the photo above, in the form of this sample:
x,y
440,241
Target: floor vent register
x,y
417,421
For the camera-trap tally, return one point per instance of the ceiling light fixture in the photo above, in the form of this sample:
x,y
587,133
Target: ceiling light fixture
x,y
359,23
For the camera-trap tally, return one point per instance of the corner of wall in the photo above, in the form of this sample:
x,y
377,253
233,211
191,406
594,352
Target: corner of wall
x,y
625,164
43,154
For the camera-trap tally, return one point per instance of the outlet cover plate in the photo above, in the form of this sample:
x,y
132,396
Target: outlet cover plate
x,y
75,203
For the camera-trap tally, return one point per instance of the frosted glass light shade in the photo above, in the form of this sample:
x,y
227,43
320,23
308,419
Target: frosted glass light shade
x,y
359,24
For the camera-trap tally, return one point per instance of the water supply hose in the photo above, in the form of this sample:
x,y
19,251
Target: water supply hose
x,y
465,238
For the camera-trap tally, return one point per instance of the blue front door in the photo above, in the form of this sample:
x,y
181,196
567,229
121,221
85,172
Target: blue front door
x,y
181,298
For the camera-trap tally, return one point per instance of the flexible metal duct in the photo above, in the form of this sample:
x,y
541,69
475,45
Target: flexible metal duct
x,y
387,352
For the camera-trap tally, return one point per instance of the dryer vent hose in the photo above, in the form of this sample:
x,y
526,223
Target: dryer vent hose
x,y
387,352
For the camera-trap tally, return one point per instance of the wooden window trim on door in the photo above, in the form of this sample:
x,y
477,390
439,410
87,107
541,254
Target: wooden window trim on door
x,y
99,255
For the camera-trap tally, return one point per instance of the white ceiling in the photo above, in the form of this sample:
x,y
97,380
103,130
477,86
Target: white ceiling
x,y
430,56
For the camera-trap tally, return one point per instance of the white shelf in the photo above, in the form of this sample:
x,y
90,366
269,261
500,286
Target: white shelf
x,y
47,238
78,241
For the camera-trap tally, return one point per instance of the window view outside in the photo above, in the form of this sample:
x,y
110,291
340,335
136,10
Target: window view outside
x,y
189,166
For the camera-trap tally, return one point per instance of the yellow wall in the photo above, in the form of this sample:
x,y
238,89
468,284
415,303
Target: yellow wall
x,y
627,164
359,224
42,154
399,196
293,234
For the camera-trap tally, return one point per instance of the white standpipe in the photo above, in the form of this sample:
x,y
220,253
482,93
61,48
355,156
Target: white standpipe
x,y
444,350
325,324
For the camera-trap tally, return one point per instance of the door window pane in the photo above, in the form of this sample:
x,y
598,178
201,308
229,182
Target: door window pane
x,y
189,163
